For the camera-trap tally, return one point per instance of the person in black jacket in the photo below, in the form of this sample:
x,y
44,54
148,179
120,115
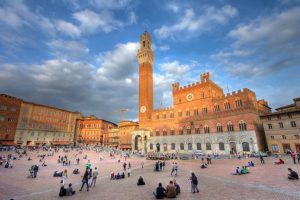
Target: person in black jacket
x,y
160,192
292,175
141,181
85,180
194,183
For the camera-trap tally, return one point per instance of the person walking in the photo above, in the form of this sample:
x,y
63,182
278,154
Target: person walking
x,y
173,168
298,157
194,183
129,172
85,180
143,164
95,175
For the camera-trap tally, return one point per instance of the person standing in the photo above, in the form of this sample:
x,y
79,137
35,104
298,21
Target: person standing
x,y
65,179
128,172
293,156
298,157
194,183
85,180
173,168
143,164
95,175
35,171
262,161
124,166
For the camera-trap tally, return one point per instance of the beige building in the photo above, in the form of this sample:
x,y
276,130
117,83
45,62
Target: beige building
x,y
282,128
113,137
126,128
41,124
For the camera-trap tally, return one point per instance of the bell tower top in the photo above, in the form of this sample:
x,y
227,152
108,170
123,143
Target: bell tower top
x,y
145,53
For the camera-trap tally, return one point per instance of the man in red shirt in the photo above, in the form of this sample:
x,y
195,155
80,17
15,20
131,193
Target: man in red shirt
x,y
293,155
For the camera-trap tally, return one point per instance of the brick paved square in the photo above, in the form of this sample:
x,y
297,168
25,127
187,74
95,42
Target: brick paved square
x,y
266,181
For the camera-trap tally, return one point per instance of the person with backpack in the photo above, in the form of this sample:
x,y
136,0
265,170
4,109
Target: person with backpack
x,y
194,183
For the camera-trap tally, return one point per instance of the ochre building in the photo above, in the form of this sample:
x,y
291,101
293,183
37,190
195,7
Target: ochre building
x,y
282,128
45,125
126,128
9,114
202,116
113,138
91,130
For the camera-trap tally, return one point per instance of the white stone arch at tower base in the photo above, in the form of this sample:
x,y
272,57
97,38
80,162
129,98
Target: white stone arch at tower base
x,y
145,138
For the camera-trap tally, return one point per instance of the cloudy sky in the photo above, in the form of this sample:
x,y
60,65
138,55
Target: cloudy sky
x,y
81,55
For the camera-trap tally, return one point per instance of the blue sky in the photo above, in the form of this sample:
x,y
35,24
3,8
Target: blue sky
x,y
81,55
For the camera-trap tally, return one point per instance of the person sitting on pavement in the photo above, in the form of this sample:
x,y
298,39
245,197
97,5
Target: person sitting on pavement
x,y
203,166
292,175
279,162
141,181
70,190
178,190
171,190
244,170
123,175
237,171
160,192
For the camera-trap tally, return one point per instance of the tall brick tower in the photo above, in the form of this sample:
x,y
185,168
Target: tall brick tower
x,y
145,58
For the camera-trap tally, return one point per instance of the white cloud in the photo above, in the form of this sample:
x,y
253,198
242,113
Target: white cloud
x,y
115,4
16,14
264,45
175,68
120,62
90,21
67,28
192,23
173,7
164,47
68,49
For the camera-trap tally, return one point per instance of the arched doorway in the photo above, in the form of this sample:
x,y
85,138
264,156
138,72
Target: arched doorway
x,y
158,147
232,148
138,143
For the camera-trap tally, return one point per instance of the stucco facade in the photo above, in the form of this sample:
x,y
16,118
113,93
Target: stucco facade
x,y
282,128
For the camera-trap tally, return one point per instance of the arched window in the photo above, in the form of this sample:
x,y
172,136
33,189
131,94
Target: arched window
x,y
206,129
208,146
238,103
221,146
246,146
157,132
164,132
187,113
181,146
151,146
173,146
199,146
188,130
204,110
219,128
197,130
165,147
172,131
171,115
226,105
190,146
180,131
216,108
230,127
243,126
196,112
